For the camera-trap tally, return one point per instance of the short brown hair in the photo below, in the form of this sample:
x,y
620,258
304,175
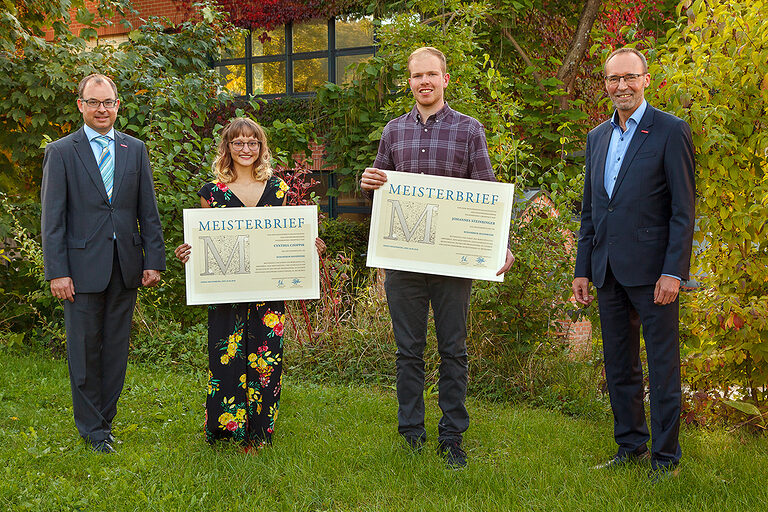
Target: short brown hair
x,y
99,78
241,126
627,49
432,51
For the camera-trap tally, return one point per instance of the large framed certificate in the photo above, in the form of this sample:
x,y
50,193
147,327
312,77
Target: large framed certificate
x,y
251,254
438,225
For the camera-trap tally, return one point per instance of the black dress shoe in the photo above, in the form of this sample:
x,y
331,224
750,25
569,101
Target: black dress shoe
x,y
663,473
102,447
415,443
624,459
455,457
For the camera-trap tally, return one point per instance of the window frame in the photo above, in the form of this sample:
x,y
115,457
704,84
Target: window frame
x,y
289,58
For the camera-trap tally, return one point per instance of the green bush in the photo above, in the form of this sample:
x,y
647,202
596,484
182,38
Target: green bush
x,y
349,239
167,344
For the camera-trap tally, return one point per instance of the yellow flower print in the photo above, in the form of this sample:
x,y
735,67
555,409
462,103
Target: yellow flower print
x,y
235,337
279,194
271,320
254,395
225,418
231,350
261,366
283,186
252,360
240,416
225,359
242,381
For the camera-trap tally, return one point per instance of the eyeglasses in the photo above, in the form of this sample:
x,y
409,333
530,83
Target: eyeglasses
x,y
94,103
629,78
239,145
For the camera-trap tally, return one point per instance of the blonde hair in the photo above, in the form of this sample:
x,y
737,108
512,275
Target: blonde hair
x,y
432,51
237,127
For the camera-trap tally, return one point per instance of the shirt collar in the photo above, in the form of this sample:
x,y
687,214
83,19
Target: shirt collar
x,y
636,116
439,115
92,134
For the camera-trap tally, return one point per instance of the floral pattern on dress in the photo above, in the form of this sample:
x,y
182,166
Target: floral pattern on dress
x,y
245,350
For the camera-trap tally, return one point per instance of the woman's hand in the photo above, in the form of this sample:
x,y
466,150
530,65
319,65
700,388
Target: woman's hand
x,y
182,252
320,245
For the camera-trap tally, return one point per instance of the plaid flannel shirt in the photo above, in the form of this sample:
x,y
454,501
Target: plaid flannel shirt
x,y
447,144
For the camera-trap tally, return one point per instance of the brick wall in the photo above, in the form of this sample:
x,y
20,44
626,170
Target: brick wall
x,y
175,11
316,161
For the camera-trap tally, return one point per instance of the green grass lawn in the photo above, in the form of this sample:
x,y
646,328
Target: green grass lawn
x,y
337,448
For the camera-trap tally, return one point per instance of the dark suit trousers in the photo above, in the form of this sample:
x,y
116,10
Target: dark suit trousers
x,y
622,310
98,330
409,295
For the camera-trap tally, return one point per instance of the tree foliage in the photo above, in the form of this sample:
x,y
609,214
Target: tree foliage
x,y
712,70
166,89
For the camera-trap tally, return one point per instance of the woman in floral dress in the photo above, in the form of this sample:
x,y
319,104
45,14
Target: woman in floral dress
x,y
245,340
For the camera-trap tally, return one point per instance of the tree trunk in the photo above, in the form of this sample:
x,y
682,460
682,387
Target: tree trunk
x,y
578,47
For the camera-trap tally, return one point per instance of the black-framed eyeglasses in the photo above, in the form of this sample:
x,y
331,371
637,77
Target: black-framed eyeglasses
x,y
94,103
239,145
629,78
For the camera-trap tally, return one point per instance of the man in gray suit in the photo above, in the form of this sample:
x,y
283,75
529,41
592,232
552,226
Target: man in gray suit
x,y
101,240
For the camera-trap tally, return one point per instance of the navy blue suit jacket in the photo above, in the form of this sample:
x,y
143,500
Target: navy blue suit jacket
x,y
646,228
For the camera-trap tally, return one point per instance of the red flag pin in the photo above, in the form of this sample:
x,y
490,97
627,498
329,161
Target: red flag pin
x,y
641,131
124,146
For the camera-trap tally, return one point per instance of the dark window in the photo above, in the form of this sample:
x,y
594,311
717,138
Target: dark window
x,y
296,59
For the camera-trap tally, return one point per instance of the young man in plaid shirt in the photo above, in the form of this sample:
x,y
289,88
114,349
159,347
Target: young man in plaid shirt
x,y
431,139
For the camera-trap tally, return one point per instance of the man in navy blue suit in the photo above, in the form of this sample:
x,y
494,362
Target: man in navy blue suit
x,y
635,246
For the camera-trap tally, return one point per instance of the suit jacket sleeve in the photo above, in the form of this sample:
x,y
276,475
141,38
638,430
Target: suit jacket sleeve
x,y
587,230
679,168
149,218
53,196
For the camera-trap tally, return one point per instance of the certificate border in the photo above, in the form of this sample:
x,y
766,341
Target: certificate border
x,y
195,297
487,274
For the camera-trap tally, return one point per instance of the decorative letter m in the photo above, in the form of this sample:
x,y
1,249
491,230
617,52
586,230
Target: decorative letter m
x,y
211,250
408,232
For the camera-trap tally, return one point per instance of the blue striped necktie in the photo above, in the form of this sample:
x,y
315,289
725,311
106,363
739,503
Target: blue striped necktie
x,y
106,164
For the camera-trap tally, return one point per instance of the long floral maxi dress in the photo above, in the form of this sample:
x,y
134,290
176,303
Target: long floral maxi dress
x,y
245,350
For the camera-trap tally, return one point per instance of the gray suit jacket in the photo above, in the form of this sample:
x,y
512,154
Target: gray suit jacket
x,y
81,228
645,229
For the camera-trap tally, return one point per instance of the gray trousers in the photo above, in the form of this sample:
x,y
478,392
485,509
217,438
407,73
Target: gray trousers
x,y
98,330
409,295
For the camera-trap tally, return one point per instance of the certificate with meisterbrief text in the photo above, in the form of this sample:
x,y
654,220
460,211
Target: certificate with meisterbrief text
x,y
439,225
251,254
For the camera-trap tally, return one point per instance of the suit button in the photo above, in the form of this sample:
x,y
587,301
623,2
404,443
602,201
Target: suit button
x,y
610,209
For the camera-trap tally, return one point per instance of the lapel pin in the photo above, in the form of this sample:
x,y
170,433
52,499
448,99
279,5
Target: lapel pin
x,y
124,146
641,131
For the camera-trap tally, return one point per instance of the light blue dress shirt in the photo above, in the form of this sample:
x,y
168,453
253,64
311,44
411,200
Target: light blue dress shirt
x,y
617,149
92,134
